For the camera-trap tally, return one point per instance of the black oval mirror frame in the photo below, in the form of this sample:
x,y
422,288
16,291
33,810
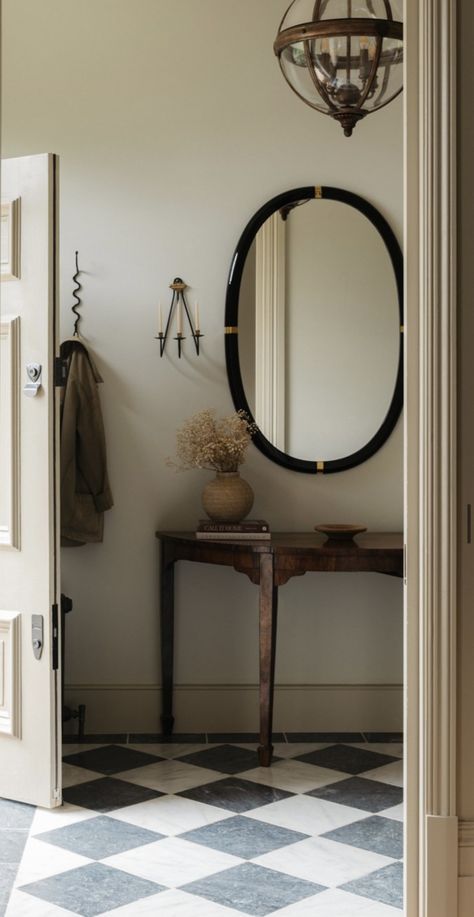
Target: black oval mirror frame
x,y
232,325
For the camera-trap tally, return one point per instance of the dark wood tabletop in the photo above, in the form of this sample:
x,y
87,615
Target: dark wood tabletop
x,y
294,553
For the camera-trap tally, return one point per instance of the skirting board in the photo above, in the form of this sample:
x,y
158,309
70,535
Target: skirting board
x,y
234,708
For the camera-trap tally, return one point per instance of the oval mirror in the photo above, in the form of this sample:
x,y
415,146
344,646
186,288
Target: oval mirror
x,y
314,325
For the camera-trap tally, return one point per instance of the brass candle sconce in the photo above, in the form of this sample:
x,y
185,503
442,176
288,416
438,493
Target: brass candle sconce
x,y
179,306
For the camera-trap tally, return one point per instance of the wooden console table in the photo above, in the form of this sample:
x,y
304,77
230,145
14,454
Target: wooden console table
x,y
269,564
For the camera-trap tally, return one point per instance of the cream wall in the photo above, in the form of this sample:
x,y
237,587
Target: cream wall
x,y
173,124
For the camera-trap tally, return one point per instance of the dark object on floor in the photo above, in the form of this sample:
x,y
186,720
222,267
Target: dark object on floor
x,y
68,714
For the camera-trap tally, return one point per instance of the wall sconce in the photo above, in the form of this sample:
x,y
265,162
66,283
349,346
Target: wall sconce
x,y
181,308
342,58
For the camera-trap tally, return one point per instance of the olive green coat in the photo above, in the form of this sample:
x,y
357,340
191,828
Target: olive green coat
x,y
85,489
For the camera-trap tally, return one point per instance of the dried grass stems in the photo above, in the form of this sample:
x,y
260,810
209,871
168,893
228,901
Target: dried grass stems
x,y
213,444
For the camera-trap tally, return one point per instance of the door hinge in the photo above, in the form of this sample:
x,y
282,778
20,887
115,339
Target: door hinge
x,y
60,372
405,564
55,632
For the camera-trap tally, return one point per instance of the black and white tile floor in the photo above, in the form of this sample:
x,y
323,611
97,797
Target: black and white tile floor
x,y
199,830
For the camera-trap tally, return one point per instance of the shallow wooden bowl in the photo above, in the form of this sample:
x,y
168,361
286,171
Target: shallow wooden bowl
x,y
340,532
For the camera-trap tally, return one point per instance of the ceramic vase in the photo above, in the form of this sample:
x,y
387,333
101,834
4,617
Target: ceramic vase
x,y
227,498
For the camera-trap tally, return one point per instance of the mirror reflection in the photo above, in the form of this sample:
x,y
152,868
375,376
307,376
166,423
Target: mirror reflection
x,y
318,314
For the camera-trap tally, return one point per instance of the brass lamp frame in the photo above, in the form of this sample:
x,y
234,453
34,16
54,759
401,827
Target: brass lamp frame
x,y
349,115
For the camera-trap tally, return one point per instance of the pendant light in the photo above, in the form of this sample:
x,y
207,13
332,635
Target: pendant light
x,y
342,57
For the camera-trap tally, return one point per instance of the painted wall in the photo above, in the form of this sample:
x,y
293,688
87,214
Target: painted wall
x,y
173,125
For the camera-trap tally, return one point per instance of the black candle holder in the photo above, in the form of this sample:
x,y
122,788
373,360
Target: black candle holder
x,y
178,286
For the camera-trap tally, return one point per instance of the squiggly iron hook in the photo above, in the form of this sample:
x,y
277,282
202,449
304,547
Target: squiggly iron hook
x,y
78,302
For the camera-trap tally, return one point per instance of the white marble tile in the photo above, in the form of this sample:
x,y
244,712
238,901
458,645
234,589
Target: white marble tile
x,y
67,814
388,773
41,860
172,903
397,812
172,862
23,905
171,815
170,776
293,749
294,776
323,861
332,903
307,814
169,750
73,775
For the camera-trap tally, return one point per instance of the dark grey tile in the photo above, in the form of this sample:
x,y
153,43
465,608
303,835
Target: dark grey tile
x,y
100,837
98,739
15,814
384,885
243,837
386,737
8,872
346,758
107,794
12,843
242,737
324,737
360,793
235,794
93,889
195,738
228,759
111,759
376,833
252,889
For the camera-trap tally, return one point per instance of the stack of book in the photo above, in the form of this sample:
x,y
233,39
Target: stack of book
x,y
248,530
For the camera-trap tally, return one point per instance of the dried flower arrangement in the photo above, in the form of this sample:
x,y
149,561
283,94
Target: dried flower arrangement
x,y
214,444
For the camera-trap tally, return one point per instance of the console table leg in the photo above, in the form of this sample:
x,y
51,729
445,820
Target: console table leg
x,y
167,644
268,627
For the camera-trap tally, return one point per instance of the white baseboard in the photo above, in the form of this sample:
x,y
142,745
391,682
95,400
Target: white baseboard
x,y
234,708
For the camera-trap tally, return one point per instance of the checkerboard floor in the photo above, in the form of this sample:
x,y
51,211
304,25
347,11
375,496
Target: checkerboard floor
x,y
199,830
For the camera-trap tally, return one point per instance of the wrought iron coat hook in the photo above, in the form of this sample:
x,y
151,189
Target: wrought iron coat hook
x,y
78,302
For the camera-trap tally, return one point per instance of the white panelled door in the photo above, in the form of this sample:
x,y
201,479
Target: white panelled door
x,y
30,716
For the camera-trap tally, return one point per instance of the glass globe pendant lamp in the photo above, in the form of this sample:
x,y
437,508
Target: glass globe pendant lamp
x,y
342,57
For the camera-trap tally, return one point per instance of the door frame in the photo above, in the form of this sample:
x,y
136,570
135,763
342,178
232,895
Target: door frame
x,y
431,882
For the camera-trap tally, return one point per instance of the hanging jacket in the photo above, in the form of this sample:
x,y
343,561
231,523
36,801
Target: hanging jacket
x,y
85,489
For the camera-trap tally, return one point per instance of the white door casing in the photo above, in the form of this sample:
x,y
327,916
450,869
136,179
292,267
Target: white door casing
x,y
430,458
30,720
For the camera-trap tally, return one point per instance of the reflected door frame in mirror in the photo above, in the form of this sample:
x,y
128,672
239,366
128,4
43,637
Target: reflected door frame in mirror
x,y
288,200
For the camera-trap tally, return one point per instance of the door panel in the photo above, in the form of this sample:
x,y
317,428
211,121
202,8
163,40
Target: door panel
x,y
29,686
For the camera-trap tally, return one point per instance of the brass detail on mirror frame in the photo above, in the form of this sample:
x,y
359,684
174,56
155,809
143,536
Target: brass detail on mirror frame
x,y
402,329
318,192
388,293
